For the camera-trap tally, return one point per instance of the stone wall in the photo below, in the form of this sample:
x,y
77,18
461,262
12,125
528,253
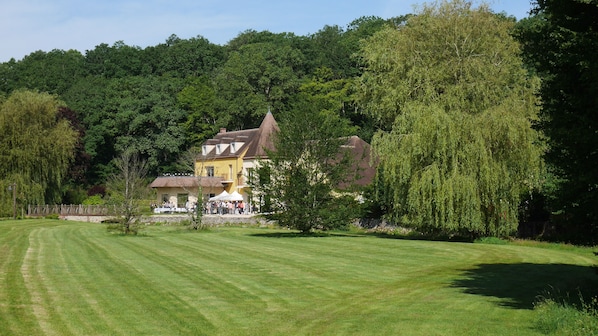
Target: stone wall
x,y
172,219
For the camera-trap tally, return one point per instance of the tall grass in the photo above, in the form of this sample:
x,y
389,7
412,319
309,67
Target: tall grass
x,y
563,318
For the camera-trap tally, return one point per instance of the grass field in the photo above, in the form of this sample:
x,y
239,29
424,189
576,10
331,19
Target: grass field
x,y
68,278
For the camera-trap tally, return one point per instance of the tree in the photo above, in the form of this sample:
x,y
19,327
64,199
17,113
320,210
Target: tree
x,y
456,109
76,177
117,61
188,162
36,147
335,48
559,42
255,77
183,58
53,72
307,164
338,96
126,187
197,98
132,112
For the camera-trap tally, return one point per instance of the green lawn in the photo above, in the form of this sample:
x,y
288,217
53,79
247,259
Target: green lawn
x,y
68,278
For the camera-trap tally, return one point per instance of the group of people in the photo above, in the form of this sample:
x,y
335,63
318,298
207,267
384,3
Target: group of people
x,y
210,208
225,207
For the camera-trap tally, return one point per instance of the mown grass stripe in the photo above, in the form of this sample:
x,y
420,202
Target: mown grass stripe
x,y
142,290
16,311
234,281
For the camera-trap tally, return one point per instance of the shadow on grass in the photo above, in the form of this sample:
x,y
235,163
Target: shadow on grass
x,y
521,285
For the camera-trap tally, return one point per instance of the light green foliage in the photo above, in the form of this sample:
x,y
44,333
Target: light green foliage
x,y
307,164
74,279
35,148
456,108
556,318
94,200
336,95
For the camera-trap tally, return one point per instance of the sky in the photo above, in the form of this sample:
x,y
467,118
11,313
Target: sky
x,y
30,25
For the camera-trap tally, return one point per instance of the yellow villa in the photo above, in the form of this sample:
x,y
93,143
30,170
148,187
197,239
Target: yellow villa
x,y
226,163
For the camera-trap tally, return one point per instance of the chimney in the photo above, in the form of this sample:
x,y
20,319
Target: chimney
x,y
223,130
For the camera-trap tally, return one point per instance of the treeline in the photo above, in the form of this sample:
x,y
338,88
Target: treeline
x,y
161,100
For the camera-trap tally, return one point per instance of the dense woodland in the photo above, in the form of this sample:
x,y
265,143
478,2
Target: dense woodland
x,y
162,100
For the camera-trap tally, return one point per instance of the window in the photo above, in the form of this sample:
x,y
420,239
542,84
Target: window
x,y
249,175
230,172
218,150
210,171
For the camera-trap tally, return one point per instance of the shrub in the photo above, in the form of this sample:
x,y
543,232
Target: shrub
x,y
94,200
491,240
52,216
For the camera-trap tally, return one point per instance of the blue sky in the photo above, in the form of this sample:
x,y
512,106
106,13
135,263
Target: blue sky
x,y
30,25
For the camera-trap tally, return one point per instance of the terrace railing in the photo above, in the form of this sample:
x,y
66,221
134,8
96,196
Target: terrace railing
x,y
70,210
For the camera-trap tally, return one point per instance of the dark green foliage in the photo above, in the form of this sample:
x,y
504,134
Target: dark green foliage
x,y
255,77
117,61
198,100
560,43
181,58
53,72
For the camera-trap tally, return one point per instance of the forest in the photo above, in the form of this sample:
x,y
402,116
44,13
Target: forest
x,y
163,100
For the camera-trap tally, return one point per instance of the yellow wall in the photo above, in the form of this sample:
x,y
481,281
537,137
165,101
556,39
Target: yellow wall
x,y
229,169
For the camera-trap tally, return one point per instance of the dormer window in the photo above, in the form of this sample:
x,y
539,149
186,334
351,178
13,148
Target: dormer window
x,y
218,149
235,146
206,149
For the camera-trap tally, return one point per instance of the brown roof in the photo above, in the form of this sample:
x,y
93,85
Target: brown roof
x,y
254,140
185,182
258,139
263,139
362,167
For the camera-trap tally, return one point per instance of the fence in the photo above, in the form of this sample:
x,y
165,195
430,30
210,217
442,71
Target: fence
x,y
70,210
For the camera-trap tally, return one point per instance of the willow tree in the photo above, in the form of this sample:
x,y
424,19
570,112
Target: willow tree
x,y
36,146
456,108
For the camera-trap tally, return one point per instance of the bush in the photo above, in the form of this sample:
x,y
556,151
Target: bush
x,y
491,240
94,200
